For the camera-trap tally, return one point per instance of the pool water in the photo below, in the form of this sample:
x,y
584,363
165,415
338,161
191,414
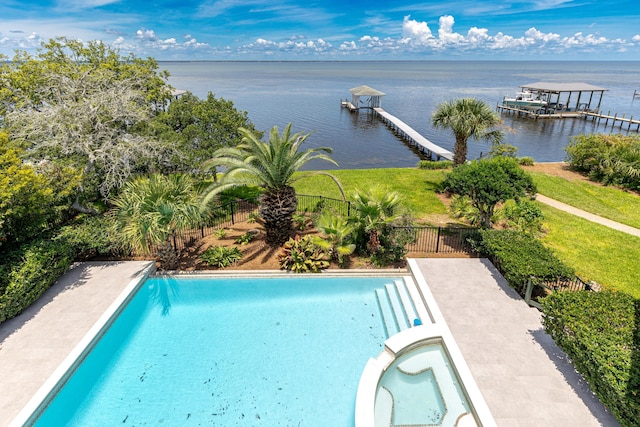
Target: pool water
x,y
227,352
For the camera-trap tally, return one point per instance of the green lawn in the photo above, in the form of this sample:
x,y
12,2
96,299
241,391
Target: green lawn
x,y
596,252
608,202
416,186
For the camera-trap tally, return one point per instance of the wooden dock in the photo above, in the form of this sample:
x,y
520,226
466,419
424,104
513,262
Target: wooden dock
x,y
412,136
613,120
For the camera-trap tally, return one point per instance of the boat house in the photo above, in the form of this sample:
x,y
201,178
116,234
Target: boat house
x,y
576,97
373,98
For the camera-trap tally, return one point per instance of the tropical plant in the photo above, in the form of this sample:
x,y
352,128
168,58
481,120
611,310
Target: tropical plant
x,y
270,165
610,159
335,234
374,210
523,215
221,256
220,233
245,238
302,255
488,182
150,208
467,118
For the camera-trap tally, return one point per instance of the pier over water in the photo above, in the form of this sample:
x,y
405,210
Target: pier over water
x,y
400,128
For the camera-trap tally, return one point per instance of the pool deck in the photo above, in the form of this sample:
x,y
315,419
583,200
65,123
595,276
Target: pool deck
x,y
524,377
36,342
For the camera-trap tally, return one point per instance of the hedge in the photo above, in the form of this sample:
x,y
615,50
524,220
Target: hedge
x,y
35,269
520,256
600,331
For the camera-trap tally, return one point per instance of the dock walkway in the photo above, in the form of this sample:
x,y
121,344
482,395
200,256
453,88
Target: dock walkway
x,y
411,135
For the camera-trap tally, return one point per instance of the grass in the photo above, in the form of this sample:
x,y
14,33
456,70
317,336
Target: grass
x,y
596,252
608,202
416,186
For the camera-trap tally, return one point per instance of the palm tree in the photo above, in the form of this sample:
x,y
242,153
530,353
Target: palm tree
x,y
149,209
375,209
467,118
270,165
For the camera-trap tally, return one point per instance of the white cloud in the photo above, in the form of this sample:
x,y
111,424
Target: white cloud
x,y
416,32
636,38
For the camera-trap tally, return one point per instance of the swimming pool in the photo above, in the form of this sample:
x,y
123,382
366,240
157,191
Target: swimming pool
x,y
220,351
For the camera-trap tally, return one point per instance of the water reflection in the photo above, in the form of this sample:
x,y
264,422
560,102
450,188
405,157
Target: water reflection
x,y
162,291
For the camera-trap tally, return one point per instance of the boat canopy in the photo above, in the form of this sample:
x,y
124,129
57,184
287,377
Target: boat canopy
x,y
363,91
559,95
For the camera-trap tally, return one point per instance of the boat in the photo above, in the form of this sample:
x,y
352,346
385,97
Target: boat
x,y
525,100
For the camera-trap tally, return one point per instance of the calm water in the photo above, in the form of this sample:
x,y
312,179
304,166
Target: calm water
x,y
308,95
229,352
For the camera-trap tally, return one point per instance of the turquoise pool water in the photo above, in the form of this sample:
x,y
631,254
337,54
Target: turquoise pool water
x,y
227,352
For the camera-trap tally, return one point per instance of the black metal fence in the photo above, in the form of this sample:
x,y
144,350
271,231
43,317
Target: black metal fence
x,y
421,239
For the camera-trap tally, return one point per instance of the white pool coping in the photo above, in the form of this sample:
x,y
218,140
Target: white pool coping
x,y
33,409
398,344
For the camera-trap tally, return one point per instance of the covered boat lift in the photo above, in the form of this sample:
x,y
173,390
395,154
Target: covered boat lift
x,y
374,100
576,97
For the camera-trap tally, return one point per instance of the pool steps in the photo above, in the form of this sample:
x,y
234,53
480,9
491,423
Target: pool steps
x,y
396,308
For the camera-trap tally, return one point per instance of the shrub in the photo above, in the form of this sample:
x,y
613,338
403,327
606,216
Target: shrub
x,y
245,238
431,165
38,265
220,256
489,182
91,236
526,161
610,159
301,255
220,233
461,208
600,331
520,256
523,215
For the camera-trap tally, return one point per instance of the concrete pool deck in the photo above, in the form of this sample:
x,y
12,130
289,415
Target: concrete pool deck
x,y
525,379
35,343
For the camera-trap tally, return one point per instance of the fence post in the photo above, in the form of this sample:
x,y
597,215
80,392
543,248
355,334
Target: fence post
x,y
438,241
233,221
175,244
527,295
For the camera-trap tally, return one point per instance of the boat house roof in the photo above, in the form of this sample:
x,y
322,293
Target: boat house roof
x,y
365,91
562,87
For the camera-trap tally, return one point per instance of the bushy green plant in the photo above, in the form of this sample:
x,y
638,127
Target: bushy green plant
x,y
245,238
610,159
523,215
526,161
520,256
220,233
461,208
600,331
431,165
220,256
489,182
91,236
37,266
300,221
302,255
335,234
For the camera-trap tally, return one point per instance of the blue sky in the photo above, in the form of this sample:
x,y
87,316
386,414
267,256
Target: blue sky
x,y
333,30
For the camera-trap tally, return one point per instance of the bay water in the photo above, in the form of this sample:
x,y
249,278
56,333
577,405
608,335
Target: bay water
x,y
308,95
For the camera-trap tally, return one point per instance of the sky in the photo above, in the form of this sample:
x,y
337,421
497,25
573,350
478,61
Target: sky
x,y
333,29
